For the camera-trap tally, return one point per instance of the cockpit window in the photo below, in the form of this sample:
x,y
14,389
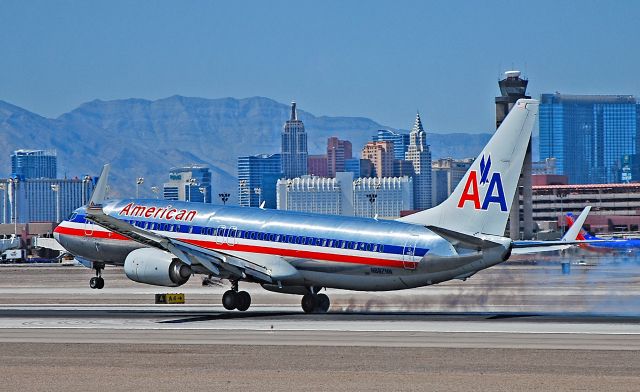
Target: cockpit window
x,y
72,216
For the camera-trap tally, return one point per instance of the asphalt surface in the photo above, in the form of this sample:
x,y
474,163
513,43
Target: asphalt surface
x,y
509,328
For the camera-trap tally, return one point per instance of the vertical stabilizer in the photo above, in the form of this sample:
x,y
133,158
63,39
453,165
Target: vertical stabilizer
x,y
100,191
481,201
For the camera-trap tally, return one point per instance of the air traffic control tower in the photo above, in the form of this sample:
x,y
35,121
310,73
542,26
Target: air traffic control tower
x,y
512,88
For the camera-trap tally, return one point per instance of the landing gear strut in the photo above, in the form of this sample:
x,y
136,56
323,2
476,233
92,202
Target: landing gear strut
x,y
234,299
315,303
97,282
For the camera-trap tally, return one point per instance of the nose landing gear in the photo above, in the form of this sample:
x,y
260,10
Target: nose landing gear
x,y
97,282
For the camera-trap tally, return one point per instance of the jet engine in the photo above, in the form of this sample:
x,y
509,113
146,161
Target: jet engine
x,y
157,267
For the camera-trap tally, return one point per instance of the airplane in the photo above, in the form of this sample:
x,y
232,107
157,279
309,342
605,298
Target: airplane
x,y
597,244
164,243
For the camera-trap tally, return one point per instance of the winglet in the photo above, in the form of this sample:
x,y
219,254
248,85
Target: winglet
x,y
100,191
574,230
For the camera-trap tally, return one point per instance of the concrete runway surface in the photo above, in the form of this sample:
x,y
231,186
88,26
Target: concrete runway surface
x,y
508,328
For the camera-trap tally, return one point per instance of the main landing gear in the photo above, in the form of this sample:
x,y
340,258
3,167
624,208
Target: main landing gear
x,y
234,299
97,282
315,303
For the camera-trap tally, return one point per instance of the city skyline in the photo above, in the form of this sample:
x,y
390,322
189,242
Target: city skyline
x,y
80,51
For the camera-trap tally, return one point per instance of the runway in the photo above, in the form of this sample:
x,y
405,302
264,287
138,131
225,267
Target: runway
x,y
511,328
149,325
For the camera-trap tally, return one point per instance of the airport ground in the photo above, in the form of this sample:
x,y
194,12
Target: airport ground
x,y
512,327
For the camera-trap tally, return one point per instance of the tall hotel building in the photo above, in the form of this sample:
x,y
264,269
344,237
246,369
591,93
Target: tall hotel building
x,y
419,154
257,178
381,154
590,136
34,164
338,151
294,146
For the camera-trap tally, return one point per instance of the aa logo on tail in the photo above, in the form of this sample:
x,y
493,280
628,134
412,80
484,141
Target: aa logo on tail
x,y
493,184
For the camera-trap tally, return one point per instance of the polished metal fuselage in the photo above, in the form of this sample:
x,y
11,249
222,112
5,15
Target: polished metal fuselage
x,y
327,251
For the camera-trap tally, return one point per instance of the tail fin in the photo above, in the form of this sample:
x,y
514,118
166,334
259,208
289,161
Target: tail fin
x,y
575,227
100,191
481,201
582,233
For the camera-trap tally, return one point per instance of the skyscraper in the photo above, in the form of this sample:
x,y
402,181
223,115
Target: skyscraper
x,y
294,146
419,154
381,155
337,152
257,178
589,135
34,164
400,141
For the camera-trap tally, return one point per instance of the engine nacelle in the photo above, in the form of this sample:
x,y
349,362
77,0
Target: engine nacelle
x,y
157,267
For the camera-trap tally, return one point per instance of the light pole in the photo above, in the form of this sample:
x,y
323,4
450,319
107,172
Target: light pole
x,y
224,197
154,190
14,214
139,181
56,188
191,182
3,188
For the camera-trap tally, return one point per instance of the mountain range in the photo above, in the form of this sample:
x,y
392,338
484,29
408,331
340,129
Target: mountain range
x,y
144,138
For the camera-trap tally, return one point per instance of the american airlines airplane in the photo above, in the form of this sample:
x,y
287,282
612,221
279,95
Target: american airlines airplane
x,y
165,242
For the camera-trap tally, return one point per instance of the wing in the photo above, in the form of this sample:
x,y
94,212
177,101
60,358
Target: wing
x,y
217,262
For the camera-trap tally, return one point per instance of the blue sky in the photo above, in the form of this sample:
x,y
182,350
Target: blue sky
x,y
378,59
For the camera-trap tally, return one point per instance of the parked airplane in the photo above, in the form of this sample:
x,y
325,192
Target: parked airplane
x,y
165,242
597,244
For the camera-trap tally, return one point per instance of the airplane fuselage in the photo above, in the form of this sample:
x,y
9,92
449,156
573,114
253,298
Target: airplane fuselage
x,y
327,251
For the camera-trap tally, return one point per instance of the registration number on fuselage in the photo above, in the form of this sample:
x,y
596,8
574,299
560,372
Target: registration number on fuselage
x,y
381,271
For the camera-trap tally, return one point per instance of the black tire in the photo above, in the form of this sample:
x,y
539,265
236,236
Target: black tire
x,y
244,301
230,300
309,303
99,283
323,303
93,282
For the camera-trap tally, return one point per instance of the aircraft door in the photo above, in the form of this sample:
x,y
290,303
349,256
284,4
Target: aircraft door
x,y
88,228
408,253
231,235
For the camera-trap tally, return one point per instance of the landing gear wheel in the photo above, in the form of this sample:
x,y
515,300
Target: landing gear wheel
x,y
97,282
230,300
323,303
244,301
309,303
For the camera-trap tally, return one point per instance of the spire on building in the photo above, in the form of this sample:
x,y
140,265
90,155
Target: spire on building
x,y
417,125
294,113
419,154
